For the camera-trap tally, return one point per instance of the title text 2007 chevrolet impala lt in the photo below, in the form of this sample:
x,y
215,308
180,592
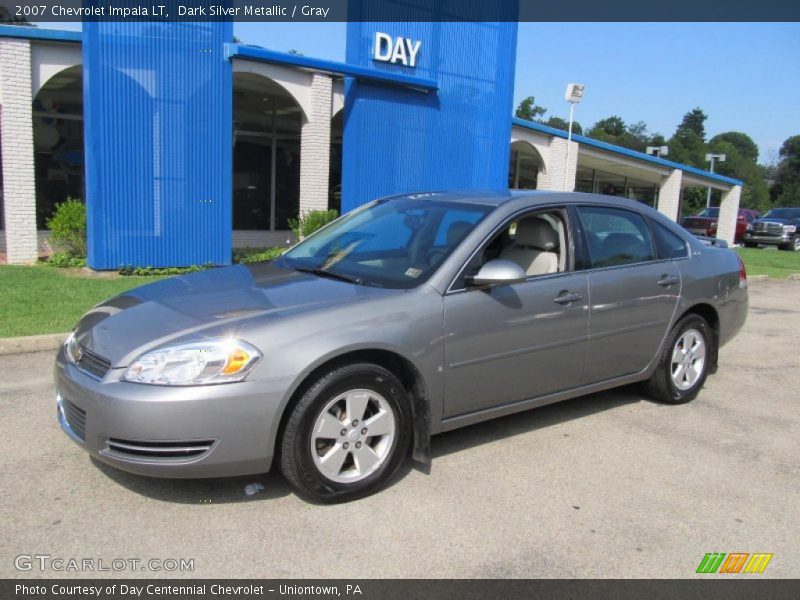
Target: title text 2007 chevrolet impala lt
x,y
410,316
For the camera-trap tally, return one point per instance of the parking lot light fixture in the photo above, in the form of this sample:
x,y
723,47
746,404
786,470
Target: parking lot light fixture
x,y
657,151
573,95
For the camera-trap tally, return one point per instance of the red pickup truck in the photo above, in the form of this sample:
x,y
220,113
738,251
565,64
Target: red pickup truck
x,y
705,222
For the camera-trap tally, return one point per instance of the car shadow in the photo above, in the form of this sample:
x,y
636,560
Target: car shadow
x,y
223,490
530,420
231,490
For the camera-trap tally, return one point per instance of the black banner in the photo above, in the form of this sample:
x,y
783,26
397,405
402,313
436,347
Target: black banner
x,y
405,589
400,10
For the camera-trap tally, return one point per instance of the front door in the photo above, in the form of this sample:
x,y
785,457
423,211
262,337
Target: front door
x,y
515,342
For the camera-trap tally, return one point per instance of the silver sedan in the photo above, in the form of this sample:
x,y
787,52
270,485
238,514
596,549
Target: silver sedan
x,y
413,315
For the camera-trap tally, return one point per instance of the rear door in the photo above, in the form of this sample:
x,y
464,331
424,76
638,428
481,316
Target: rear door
x,y
633,294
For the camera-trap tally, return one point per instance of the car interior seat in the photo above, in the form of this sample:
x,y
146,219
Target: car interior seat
x,y
535,247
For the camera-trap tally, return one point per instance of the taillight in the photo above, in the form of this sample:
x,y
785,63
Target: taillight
x,y
742,272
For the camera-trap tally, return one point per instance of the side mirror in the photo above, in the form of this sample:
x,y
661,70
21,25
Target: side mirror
x,y
498,272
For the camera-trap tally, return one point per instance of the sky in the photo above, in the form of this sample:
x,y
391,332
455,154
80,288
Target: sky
x,y
745,76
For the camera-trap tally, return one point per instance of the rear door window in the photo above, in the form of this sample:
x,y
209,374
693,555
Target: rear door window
x,y
615,236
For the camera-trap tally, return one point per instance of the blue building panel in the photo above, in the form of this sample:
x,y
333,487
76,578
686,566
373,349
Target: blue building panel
x,y
400,140
158,143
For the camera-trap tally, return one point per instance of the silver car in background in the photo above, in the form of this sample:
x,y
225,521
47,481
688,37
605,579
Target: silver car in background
x,y
410,316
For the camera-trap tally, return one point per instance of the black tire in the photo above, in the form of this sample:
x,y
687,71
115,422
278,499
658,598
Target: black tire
x,y
750,245
793,246
296,460
660,386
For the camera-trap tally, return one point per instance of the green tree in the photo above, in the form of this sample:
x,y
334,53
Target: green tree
x,y
743,143
528,110
755,193
693,123
785,190
563,125
608,129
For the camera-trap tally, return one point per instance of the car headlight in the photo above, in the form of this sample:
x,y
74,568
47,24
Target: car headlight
x,y
790,228
749,227
72,349
197,363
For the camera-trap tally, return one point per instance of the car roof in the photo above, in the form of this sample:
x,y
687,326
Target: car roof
x,y
515,198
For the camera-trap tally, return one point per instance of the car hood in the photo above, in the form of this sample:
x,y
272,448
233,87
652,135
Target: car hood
x,y
209,303
777,220
696,219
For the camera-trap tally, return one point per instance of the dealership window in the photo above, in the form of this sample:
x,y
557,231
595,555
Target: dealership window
x,y
266,154
612,184
58,142
335,166
524,166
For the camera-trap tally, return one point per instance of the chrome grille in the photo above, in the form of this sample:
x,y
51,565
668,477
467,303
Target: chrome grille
x,y
75,418
93,364
768,228
162,451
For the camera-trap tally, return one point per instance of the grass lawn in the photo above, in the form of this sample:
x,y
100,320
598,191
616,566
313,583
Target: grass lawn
x,y
42,299
768,261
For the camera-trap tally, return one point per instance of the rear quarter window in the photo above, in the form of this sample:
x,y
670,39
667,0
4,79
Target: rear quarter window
x,y
668,245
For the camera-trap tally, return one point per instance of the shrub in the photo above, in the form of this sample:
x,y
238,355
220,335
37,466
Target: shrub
x,y
68,227
65,260
149,271
308,223
251,255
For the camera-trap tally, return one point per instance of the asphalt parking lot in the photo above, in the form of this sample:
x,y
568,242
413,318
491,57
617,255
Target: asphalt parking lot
x,y
609,485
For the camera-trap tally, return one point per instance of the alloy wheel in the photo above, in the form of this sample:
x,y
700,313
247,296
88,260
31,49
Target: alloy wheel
x,y
353,435
688,359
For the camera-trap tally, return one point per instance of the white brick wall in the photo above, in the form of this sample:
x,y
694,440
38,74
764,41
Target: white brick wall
x,y
315,144
261,239
728,211
669,195
555,161
16,128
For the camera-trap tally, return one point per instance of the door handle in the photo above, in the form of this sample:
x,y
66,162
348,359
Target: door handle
x,y
667,280
565,298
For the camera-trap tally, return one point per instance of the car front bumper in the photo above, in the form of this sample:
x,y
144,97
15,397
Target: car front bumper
x,y
758,238
181,432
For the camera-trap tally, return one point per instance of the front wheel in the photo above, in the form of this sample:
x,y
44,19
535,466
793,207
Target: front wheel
x,y
347,435
793,245
684,362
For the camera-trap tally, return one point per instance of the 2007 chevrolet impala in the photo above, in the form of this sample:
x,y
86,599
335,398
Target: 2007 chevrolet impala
x,y
410,316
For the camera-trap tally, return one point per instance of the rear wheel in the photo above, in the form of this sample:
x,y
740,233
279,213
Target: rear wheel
x,y
684,362
348,434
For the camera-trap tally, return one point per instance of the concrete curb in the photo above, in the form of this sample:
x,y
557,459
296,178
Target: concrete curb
x,y
31,343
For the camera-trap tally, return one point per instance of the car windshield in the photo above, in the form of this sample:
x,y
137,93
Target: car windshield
x,y
709,212
783,213
395,243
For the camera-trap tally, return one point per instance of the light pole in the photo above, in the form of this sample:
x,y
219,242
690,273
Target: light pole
x,y
711,158
573,95
657,151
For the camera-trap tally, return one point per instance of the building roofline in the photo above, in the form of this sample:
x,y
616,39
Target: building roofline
x,y
34,33
328,66
587,141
